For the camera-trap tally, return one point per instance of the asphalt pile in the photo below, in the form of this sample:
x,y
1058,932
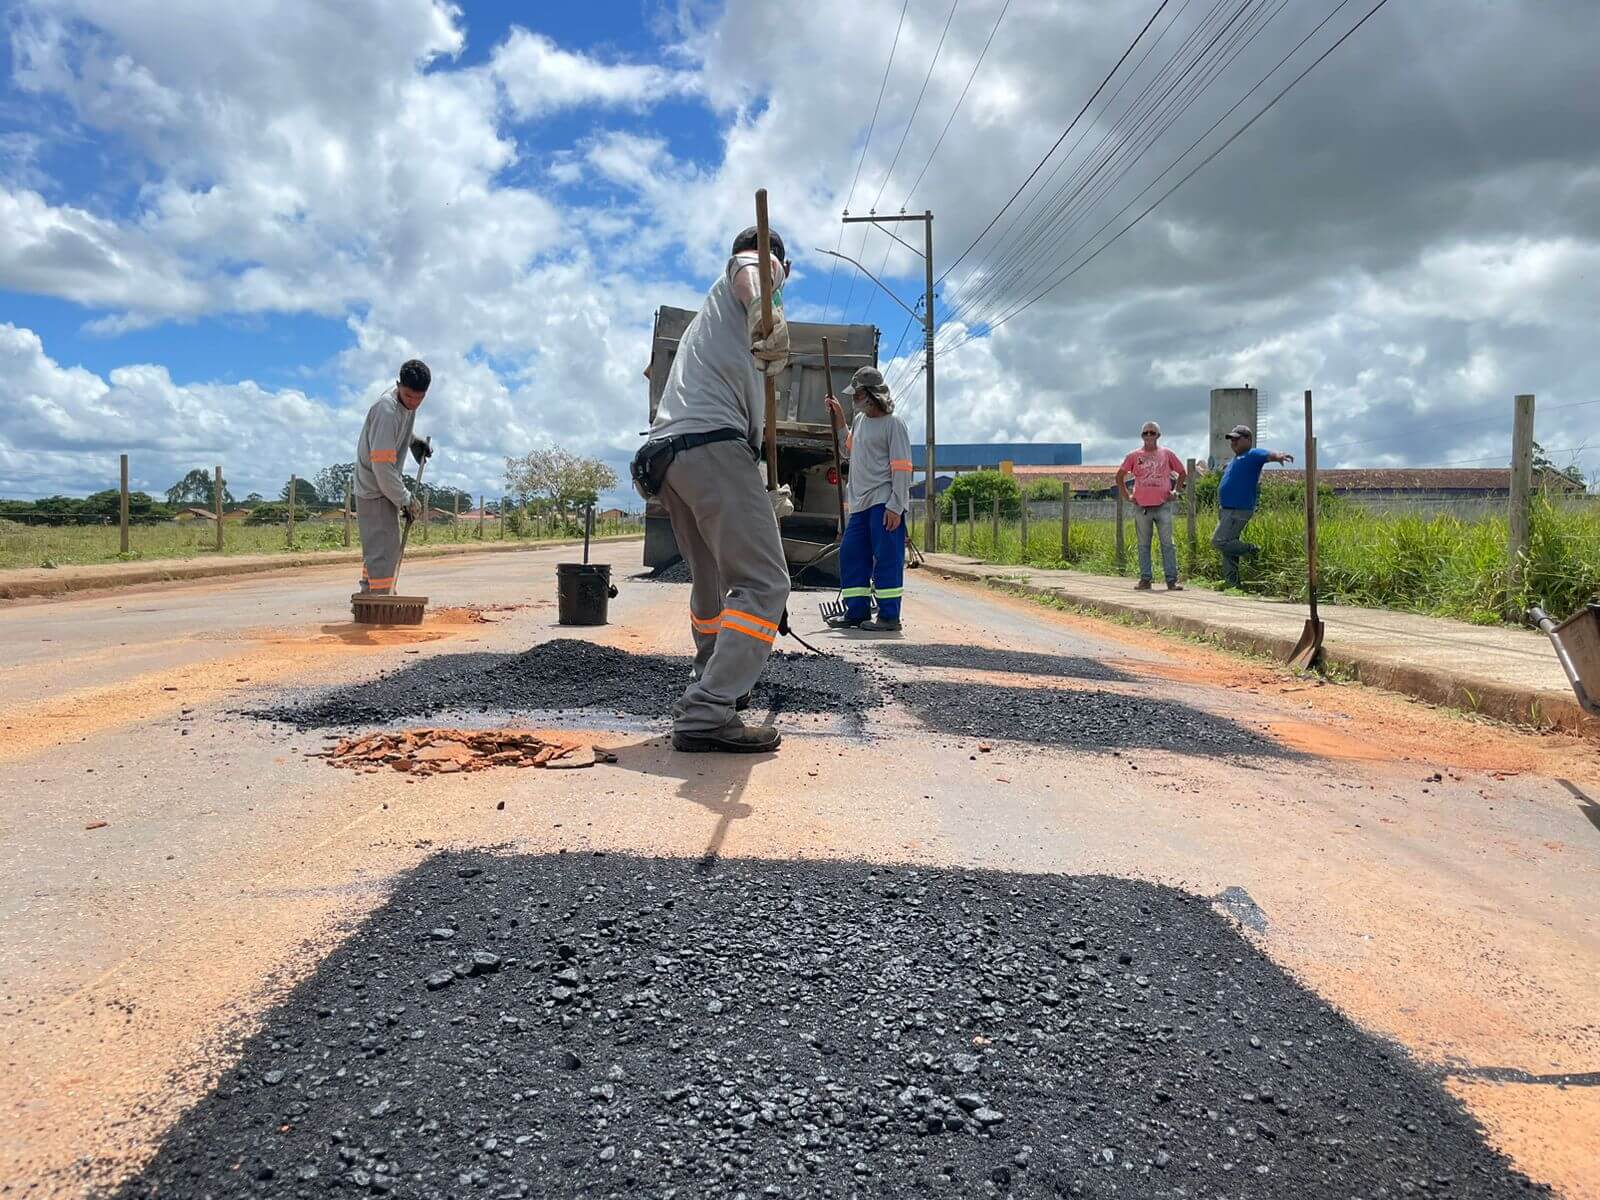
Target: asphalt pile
x,y
577,1025
1011,662
677,572
567,676
453,751
1080,719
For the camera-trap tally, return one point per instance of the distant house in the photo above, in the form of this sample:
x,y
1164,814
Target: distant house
x,y
185,515
1086,482
611,514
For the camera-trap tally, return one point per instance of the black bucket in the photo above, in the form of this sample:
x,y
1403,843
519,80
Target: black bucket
x,y
582,591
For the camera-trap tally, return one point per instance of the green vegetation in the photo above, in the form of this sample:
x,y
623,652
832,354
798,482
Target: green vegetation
x,y
1438,565
37,545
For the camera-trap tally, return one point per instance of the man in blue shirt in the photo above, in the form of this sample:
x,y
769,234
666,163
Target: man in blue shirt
x,y
1236,497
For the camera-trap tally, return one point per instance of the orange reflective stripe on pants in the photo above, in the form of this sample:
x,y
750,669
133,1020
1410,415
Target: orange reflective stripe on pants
x,y
749,625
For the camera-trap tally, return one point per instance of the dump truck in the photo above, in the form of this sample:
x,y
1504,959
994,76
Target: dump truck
x,y
805,443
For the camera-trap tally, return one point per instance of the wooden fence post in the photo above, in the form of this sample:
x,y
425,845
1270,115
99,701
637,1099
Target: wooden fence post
x,y
955,546
218,498
972,527
1066,518
1521,494
292,482
1121,551
502,518
455,524
994,528
1024,528
480,516
347,490
1191,493
426,507
123,518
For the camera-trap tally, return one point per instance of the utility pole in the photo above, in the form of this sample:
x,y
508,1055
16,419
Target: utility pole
x,y
930,529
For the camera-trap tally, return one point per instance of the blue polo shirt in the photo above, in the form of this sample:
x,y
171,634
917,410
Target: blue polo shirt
x,y
1241,479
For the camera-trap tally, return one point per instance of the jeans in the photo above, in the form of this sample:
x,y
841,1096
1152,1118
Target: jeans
x,y
1147,520
1230,524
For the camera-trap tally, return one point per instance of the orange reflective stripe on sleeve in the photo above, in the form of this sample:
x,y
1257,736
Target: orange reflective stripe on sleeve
x,y
900,464
384,456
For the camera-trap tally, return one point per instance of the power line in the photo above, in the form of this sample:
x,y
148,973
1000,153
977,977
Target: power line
x,y
894,162
861,160
1055,283
1149,122
959,101
1058,142
1454,424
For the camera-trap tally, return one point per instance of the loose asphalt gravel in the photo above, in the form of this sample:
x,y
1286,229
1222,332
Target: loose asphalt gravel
x,y
567,675
587,1025
1081,719
1011,662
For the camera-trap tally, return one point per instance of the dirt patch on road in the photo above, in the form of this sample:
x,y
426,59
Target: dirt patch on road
x,y
422,752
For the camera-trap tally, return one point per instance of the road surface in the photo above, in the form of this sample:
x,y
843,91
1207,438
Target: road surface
x,y
1430,877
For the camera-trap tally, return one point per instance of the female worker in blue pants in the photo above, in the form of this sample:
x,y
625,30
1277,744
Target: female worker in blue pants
x,y
873,555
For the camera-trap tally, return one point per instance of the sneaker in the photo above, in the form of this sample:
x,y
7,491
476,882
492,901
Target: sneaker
x,y
1142,586
880,625
1174,586
733,738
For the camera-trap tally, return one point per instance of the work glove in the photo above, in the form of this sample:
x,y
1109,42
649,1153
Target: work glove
x,y
771,350
782,502
421,449
412,511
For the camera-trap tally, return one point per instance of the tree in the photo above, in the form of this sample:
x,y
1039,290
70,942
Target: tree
x,y
557,480
1542,464
1043,489
981,487
334,481
305,494
254,498
196,488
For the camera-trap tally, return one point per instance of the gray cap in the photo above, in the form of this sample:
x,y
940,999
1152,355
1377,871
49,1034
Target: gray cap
x,y
1240,431
869,380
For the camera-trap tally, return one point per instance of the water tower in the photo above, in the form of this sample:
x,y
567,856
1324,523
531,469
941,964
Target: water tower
x,y
1229,407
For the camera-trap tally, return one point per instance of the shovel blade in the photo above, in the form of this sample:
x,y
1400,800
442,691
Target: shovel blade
x,y
1307,652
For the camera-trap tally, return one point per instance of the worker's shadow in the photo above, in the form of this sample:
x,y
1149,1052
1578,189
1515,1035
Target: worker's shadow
x,y
716,782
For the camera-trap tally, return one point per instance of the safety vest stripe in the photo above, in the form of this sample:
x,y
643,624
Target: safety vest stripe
x,y
890,593
758,622
384,456
899,464
854,593
730,625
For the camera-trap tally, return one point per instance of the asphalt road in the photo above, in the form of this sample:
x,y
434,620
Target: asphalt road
x,y
1391,875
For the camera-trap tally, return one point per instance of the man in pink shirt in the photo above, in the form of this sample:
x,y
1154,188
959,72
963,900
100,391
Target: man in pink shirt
x,y
1155,470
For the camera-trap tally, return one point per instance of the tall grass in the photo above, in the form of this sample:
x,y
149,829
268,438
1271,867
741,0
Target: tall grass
x,y
1438,565
27,545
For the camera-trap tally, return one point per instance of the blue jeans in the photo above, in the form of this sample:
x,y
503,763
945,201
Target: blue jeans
x,y
1230,524
872,562
1156,519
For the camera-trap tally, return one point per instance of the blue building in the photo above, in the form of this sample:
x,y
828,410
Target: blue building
x,y
981,456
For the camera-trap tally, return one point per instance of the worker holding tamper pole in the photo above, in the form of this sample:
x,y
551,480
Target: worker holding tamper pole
x,y
382,498
872,558
703,460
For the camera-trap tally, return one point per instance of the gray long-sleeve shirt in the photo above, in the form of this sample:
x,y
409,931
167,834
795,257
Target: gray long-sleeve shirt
x,y
381,451
714,382
880,463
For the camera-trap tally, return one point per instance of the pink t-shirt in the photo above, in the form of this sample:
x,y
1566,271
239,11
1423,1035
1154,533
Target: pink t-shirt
x,y
1152,475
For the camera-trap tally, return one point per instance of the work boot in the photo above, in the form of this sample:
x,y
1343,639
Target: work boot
x,y
881,625
1142,586
1174,586
733,738
845,622
742,703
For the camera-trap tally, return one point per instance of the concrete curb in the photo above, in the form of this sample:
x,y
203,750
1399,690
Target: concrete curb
x,y
1512,704
38,583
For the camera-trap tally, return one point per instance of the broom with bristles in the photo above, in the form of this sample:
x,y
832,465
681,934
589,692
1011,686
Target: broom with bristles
x,y
370,609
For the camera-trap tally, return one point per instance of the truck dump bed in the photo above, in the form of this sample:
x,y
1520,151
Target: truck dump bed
x,y
805,447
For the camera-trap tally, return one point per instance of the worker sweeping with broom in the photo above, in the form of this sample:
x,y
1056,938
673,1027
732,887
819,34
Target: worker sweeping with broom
x,y
382,498
872,557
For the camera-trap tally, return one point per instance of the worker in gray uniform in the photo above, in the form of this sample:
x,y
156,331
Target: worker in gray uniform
x,y
872,553
382,498
703,462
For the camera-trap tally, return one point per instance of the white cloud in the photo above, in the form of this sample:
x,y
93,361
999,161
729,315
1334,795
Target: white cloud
x,y
540,77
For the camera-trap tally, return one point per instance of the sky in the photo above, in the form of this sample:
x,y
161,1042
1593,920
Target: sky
x,y
222,227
